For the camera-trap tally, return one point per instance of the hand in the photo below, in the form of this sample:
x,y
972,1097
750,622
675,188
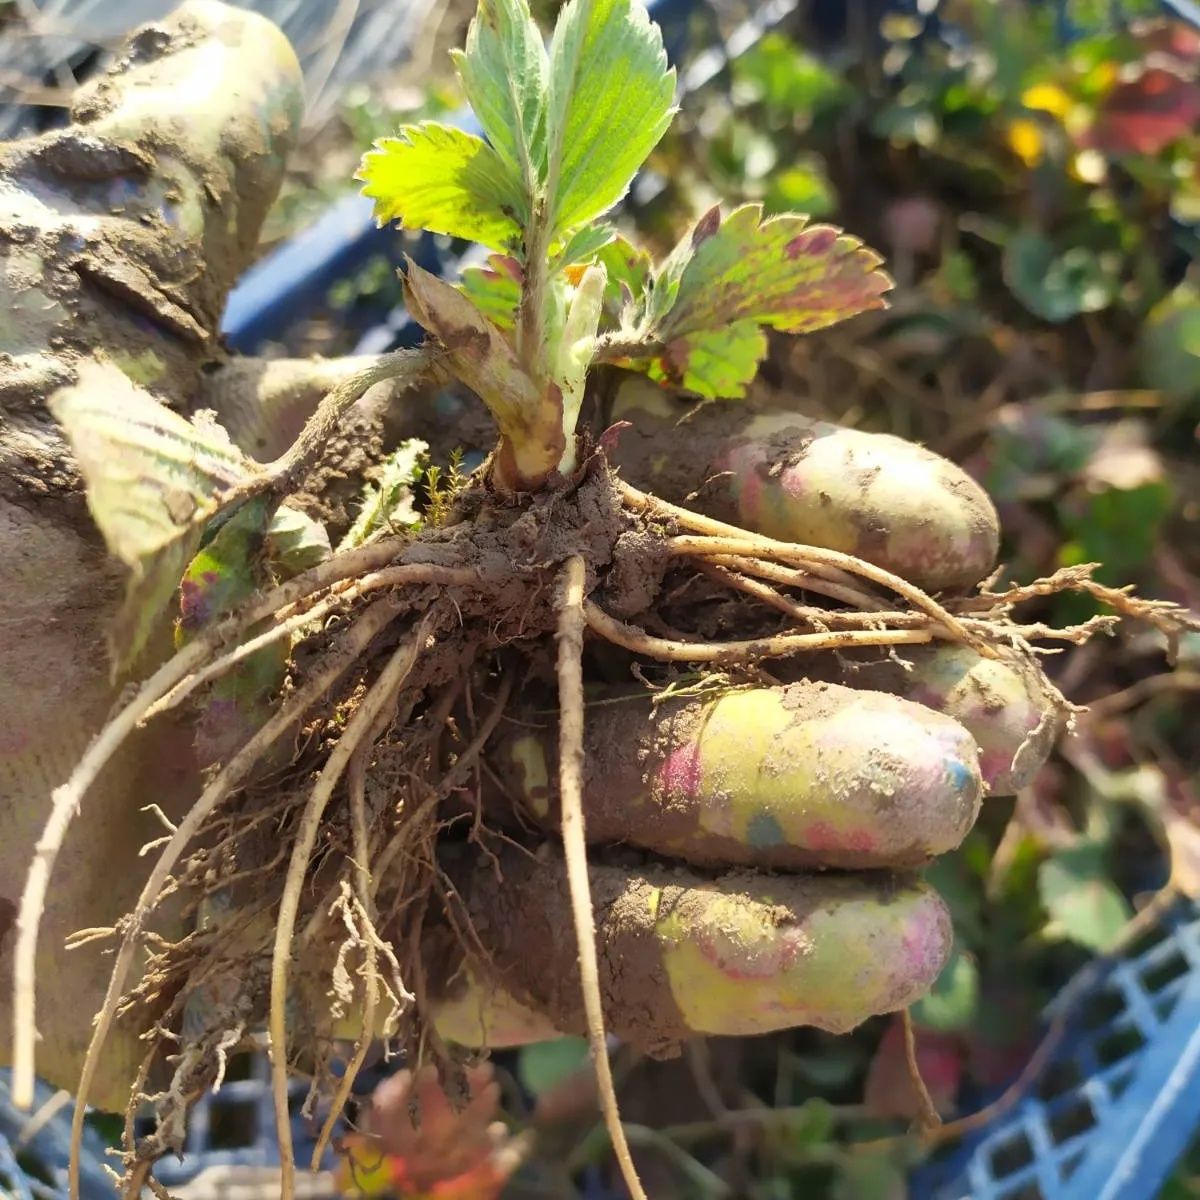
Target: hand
x,y
789,777
881,775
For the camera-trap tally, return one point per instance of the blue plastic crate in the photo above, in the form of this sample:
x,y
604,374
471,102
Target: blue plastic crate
x,y
1119,1101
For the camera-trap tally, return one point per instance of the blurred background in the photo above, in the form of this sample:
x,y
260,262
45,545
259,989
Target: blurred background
x,y
1030,172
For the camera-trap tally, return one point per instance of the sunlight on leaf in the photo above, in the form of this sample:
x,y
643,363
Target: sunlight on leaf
x,y
583,245
438,178
781,272
717,364
504,72
295,542
610,101
388,504
151,477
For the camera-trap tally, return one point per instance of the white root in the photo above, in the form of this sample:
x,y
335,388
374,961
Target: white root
x,y
407,573
571,625
67,798
776,646
352,645
382,693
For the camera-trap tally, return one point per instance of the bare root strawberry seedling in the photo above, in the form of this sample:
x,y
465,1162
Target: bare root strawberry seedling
x,y
348,698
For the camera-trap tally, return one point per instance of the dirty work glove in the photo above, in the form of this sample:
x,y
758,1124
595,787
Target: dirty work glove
x,y
119,239
870,763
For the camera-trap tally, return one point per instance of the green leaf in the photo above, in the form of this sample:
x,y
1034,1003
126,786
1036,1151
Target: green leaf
x,y
495,290
716,364
952,1003
1118,527
505,73
1057,286
295,542
439,178
227,570
610,101
628,269
542,1066
781,272
1081,898
389,503
576,346
583,245
152,480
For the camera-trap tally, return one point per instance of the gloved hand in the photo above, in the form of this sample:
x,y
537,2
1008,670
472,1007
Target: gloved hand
x,y
119,238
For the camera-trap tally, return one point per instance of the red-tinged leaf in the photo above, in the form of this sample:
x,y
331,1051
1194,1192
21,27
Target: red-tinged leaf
x,y
717,364
436,1150
495,289
780,272
727,282
1146,114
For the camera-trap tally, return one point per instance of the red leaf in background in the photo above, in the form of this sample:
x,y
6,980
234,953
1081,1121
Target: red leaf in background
x,y
889,1089
1146,114
417,1145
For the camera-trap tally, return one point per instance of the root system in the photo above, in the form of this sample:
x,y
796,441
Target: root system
x,y
330,843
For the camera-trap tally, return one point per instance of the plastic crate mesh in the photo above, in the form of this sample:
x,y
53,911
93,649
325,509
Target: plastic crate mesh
x,y
1120,1099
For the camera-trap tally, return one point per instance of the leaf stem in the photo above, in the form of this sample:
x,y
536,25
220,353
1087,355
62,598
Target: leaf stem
x,y
535,286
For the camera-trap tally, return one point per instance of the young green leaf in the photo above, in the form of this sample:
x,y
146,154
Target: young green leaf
x,y
152,480
295,542
495,290
389,503
583,246
504,72
575,349
717,364
438,178
610,101
628,268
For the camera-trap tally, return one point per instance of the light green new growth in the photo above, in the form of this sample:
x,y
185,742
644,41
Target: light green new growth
x,y
567,129
388,504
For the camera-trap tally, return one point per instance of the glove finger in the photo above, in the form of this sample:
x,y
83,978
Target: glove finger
x,y
806,775
999,701
886,500
682,955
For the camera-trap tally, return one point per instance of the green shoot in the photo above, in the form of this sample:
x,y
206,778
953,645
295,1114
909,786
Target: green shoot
x,y
567,128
